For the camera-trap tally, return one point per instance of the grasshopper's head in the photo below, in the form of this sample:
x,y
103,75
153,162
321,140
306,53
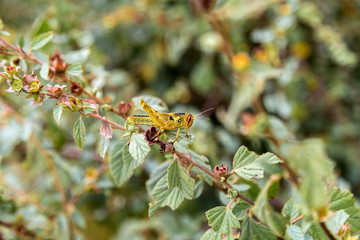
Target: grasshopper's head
x,y
189,120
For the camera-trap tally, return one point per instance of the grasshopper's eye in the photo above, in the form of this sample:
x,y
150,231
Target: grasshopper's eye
x,y
189,120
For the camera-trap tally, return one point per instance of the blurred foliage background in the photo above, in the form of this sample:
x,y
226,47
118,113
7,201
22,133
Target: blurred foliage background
x,y
271,69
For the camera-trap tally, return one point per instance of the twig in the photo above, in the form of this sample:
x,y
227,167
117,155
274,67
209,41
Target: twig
x,y
92,96
231,202
115,125
21,52
327,231
52,168
296,219
219,26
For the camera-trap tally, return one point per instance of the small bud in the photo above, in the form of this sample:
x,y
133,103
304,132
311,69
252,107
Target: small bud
x,y
221,171
76,89
344,230
56,91
124,108
57,66
31,83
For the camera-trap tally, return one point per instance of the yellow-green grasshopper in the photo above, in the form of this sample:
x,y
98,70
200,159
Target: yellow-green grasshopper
x,y
164,121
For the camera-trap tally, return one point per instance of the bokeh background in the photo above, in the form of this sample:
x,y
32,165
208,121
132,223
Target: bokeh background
x,y
271,69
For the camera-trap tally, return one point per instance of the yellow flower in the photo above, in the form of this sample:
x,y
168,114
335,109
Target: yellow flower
x,y
285,9
120,15
240,61
301,50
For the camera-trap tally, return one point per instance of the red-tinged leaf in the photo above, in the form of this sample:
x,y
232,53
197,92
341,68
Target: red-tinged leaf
x,y
105,129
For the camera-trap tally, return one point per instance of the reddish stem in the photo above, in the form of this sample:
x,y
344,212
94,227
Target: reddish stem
x,y
115,125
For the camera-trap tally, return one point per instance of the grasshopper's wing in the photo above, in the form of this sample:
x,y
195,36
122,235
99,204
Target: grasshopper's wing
x,y
142,120
153,114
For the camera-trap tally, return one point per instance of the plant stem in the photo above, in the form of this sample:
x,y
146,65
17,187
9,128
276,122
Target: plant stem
x,y
327,231
21,52
215,178
115,125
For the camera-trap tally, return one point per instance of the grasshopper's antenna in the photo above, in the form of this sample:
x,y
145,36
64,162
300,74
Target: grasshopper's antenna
x,y
202,118
204,111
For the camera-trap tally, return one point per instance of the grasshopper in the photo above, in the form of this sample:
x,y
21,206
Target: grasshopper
x,y
164,121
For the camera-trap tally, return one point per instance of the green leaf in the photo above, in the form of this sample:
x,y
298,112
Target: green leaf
x,y
239,209
138,147
345,201
79,56
306,158
248,164
57,112
290,211
41,40
209,235
202,77
121,164
156,175
44,71
177,177
88,110
265,212
103,146
224,222
74,70
164,196
255,231
295,232
341,200
337,221
79,132
354,219
317,232
183,147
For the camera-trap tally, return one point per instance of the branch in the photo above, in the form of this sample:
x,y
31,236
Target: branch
x,y
327,231
115,125
21,53
187,158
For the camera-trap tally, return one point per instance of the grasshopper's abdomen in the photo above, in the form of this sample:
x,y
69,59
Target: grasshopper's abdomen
x,y
141,120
